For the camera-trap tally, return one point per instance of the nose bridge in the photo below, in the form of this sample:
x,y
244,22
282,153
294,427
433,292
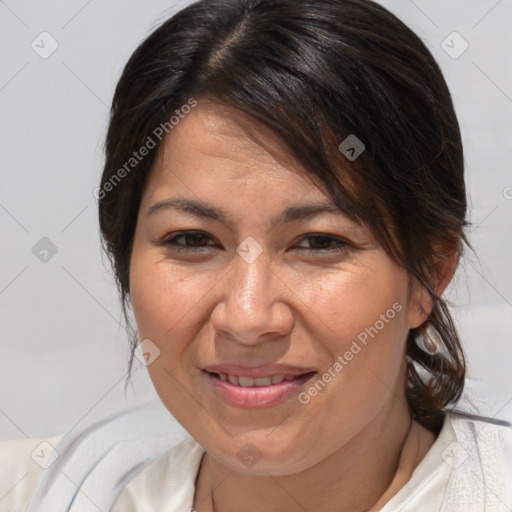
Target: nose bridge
x,y
250,305
251,288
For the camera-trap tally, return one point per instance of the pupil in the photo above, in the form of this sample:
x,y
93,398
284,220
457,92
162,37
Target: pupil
x,y
317,242
195,239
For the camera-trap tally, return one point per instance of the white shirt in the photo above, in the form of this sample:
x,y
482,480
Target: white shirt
x,y
438,482
130,463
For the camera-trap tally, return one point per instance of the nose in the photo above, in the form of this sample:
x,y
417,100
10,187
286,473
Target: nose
x,y
254,304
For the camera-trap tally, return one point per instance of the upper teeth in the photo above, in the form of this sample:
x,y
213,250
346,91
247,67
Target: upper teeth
x,y
251,381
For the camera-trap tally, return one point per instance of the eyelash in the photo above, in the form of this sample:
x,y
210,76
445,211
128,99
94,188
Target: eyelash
x,y
174,245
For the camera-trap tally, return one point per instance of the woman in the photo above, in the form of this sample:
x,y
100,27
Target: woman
x,y
283,203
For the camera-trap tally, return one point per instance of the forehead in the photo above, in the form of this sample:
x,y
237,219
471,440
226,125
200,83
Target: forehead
x,y
224,127
218,145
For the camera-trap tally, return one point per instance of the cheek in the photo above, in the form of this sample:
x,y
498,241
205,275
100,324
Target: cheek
x,y
168,309
360,319
348,303
164,300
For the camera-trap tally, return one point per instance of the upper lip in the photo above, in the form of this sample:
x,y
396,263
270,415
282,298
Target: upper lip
x,y
257,371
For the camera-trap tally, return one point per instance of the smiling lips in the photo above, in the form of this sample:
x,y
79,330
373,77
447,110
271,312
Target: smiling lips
x,y
263,386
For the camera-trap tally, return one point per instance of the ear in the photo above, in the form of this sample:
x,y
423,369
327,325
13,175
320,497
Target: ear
x,y
441,273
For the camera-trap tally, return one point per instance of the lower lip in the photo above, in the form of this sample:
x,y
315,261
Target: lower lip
x,y
256,397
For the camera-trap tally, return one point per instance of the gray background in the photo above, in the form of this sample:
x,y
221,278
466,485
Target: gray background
x,y
63,356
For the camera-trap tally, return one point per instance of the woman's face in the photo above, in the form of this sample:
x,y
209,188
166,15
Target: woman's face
x,y
272,282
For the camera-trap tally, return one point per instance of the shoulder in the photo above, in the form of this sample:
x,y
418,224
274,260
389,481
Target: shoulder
x,y
169,480
94,465
22,464
480,459
468,468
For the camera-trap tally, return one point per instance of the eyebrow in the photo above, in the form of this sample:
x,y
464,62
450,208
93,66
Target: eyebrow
x,y
207,211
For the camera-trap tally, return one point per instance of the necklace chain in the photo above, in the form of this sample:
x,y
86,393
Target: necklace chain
x,y
211,484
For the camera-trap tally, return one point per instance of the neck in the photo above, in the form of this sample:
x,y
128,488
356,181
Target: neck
x,y
363,475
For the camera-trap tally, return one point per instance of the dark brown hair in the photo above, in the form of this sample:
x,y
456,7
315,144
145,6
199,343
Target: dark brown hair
x,y
315,71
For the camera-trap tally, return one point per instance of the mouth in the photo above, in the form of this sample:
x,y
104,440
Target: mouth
x,y
246,381
247,391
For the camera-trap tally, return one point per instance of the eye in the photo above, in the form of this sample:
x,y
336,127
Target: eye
x,y
323,243
197,241
193,241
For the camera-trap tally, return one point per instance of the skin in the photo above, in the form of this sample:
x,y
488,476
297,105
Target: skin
x,y
354,444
